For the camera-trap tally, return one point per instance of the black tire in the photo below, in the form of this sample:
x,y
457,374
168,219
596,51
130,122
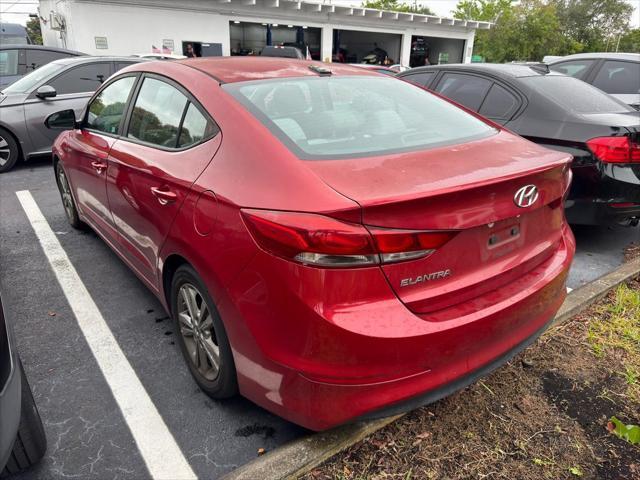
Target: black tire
x,y
224,384
31,442
68,202
9,151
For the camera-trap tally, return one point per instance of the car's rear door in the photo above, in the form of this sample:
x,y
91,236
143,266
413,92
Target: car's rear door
x,y
86,164
168,141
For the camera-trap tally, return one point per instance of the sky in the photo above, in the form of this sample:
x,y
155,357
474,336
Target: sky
x,y
17,11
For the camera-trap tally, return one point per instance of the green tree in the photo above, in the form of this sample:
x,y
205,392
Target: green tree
x,y
594,25
630,42
398,6
484,10
33,30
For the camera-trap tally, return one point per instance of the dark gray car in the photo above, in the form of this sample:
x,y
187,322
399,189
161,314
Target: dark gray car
x,y
63,84
16,61
561,113
22,437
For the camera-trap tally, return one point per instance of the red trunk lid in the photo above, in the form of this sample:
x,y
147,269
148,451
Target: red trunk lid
x,y
469,188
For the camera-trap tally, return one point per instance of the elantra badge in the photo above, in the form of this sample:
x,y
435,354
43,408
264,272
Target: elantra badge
x,y
427,277
526,196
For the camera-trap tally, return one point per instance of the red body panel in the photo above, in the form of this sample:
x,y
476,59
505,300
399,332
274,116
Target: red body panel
x,y
321,346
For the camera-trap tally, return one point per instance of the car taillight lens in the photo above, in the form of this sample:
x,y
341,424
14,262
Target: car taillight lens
x,y
615,149
323,241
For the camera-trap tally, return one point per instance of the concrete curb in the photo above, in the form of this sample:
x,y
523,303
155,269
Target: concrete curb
x,y
301,456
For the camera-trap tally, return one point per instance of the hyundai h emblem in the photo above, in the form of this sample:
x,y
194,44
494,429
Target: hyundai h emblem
x,y
526,196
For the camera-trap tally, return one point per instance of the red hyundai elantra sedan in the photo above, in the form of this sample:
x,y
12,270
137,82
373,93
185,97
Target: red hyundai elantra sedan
x,y
331,242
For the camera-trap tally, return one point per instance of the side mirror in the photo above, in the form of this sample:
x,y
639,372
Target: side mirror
x,y
46,91
63,120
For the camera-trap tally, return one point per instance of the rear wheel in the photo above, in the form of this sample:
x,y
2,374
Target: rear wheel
x,y
68,202
31,442
203,339
9,151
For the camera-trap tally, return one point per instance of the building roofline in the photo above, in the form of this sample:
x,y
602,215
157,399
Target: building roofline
x,y
326,8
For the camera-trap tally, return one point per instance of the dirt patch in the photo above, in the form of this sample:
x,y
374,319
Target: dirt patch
x,y
632,252
543,415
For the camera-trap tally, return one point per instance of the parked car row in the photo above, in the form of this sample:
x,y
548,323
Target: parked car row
x,y
378,244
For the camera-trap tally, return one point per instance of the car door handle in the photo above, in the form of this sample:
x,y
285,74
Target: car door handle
x,y
164,195
99,166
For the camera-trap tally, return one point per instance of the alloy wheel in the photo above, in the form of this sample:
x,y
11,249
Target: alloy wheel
x,y
65,191
5,151
198,335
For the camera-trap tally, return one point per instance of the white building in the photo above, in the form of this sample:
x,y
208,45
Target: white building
x,y
214,27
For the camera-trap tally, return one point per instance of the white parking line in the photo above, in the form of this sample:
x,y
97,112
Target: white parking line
x,y
155,442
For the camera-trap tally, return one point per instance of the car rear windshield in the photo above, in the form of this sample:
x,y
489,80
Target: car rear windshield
x,y
26,83
355,116
575,95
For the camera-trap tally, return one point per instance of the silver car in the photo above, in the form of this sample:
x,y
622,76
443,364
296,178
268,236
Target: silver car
x,y
618,74
63,84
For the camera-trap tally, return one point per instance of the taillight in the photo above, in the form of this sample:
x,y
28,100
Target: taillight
x,y
323,241
615,149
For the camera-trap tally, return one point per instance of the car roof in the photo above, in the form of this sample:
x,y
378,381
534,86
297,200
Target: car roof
x,y
507,70
608,55
27,46
241,68
91,58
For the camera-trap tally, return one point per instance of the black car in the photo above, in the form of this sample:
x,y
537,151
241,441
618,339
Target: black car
x,y
18,60
22,438
561,113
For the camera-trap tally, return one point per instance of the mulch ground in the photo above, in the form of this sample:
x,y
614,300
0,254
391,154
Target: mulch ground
x,y
543,415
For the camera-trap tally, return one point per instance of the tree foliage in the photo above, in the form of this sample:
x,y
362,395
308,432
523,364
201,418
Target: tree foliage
x,y
33,30
398,6
530,29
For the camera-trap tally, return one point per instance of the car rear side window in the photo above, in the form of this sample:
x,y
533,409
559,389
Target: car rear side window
x,y
575,95
619,77
8,62
106,110
423,79
349,117
195,127
499,104
157,114
467,90
85,78
575,68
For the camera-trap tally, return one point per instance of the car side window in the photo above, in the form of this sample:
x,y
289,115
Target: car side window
x,y
422,79
574,68
499,104
157,114
106,110
85,78
37,58
618,77
9,62
467,90
195,127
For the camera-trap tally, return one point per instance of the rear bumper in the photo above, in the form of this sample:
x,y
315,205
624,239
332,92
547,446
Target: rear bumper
x,y
594,212
379,358
604,194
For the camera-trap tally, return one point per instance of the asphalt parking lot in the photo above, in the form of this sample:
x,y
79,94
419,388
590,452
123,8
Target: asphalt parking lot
x,y
87,434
